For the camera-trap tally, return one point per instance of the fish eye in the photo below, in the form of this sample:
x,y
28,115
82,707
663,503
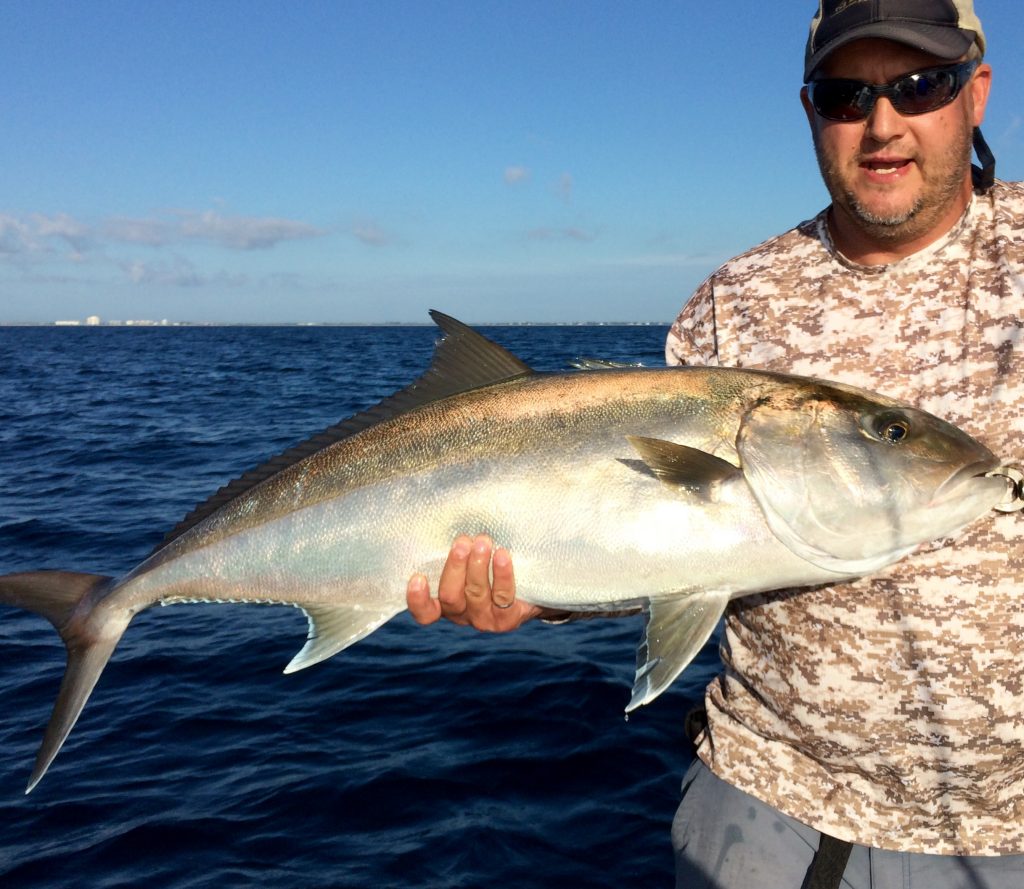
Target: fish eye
x,y
893,430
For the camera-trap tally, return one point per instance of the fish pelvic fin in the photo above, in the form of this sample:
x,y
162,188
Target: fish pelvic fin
x,y
334,627
68,601
675,630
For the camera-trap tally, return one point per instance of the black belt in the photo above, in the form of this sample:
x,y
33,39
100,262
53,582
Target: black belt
x,y
829,862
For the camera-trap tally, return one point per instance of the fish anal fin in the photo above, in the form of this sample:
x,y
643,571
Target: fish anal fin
x,y
682,466
675,630
463,360
334,627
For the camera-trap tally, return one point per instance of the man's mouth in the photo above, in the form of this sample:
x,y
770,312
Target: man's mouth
x,y
886,166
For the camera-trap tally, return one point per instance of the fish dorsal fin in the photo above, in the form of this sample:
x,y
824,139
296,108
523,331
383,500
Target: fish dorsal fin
x,y
600,364
679,465
463,360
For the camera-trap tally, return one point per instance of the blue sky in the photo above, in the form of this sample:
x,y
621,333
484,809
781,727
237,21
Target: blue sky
x,y
365,161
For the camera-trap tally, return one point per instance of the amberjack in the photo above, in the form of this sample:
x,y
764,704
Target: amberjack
x,y
665,490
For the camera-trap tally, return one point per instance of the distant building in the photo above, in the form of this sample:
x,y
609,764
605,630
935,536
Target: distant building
x,y
93,321
67,323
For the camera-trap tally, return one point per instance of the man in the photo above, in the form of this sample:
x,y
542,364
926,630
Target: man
x,y
888,712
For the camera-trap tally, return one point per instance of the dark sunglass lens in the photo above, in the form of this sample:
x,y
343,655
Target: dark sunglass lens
x,y
840,99
921,93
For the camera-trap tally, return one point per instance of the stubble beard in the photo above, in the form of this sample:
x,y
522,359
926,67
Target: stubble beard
x,y
941,186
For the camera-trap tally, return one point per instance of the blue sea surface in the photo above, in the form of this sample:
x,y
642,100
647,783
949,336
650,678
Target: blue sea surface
x,y
433,757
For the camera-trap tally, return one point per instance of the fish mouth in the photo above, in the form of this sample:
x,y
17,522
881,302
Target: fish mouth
x,y
1013,476
990,467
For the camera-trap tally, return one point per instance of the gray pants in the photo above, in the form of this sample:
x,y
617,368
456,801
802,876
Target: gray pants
x,y
725,839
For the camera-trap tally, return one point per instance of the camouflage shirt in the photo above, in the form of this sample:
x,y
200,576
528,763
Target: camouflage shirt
x,y
888,711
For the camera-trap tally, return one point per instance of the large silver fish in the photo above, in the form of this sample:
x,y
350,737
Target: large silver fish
x,y
669,490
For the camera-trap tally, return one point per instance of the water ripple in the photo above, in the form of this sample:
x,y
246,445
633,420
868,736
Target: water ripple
x,y
420,757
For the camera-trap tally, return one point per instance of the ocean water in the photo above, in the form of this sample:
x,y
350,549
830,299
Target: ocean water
x,y
434,757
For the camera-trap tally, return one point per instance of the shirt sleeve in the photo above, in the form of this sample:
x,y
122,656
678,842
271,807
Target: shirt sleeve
x,y
691,338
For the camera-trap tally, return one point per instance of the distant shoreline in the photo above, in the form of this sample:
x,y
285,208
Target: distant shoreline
x,y
162,325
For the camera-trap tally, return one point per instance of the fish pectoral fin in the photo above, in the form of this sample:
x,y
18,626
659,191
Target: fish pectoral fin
x,y
674,632
334,627
682,466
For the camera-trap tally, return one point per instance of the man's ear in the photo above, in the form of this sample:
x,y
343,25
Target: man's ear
x,y
978,89
805,100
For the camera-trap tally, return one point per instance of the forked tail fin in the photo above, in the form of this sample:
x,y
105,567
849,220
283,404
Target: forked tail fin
x,y
68,601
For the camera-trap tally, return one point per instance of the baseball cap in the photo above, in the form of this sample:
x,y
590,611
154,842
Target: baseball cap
x,y
944,28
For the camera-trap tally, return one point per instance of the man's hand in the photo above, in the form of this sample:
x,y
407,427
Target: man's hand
x,y
466,593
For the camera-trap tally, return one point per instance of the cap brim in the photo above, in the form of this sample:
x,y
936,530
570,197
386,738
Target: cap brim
x,y
941,41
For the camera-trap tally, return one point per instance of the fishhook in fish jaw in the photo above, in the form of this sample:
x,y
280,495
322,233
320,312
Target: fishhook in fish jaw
x,y
1014,476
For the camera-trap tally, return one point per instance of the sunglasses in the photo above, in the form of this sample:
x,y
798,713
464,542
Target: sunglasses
x,y
916,93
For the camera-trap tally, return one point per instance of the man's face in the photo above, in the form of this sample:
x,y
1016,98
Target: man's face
x,y
895,180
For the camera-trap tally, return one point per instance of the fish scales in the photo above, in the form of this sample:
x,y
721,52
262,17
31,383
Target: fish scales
x,y
532,414
670,490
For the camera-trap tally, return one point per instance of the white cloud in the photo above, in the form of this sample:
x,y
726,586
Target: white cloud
x,y
176,272
242,232
151,232
38,233
571,233
15,236
371,234
516,174
63,227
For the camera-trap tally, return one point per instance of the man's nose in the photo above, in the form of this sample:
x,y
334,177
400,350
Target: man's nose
x,y
884,123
